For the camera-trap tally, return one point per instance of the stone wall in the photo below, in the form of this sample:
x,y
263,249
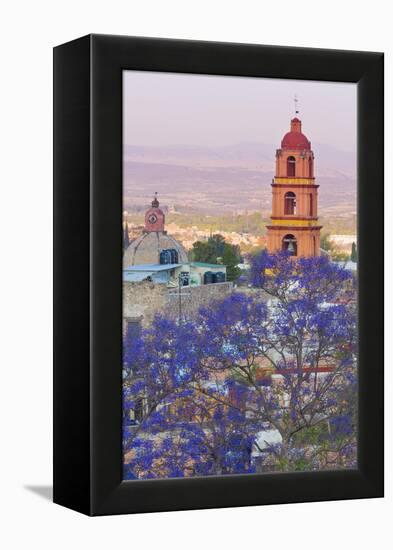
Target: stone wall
x,y
194,297
141,301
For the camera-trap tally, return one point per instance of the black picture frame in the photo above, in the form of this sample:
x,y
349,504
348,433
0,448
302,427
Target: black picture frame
x,y
88,278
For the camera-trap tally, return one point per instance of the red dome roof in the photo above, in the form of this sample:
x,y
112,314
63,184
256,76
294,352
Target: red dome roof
x,y
295,140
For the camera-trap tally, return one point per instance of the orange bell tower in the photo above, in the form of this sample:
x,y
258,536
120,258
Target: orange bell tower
x,y
294,220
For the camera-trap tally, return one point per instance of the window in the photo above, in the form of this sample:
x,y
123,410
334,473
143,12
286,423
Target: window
x,y
310,168
290,204
291,166
289,244
311,207
133,329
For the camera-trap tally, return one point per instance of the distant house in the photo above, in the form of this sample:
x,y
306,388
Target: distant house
x,y
351,266
264,440
343,240
205,273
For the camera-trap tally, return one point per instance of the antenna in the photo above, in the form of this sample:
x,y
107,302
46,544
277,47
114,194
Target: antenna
x,y
296,101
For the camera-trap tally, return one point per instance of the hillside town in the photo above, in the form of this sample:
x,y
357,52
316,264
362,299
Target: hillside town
x,y
240,349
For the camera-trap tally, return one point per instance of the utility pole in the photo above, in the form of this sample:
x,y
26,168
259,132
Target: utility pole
x,y
180,311
178,294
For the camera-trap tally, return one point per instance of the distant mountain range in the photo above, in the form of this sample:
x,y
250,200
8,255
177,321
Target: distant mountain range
x,y
229,178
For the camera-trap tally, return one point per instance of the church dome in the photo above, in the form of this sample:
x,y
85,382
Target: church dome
x,y
295,139
146,249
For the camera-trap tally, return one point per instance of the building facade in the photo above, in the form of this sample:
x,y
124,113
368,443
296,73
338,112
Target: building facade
x,y
294,221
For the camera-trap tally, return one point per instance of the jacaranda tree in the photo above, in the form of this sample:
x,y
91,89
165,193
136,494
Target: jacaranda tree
x,y
278,358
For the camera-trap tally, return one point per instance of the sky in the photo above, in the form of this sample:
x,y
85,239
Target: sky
x,y
162,109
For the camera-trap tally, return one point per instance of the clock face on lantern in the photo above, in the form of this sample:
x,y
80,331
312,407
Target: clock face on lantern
x,y
152,218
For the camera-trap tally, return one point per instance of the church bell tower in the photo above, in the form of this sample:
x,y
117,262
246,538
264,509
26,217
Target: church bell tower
x,y
294,220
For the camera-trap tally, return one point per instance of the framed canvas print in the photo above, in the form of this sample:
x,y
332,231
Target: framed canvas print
x,y
218,275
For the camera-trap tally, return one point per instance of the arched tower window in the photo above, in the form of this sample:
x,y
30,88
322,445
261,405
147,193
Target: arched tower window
x,y
289,244
311,206
291,165
310,168
290,203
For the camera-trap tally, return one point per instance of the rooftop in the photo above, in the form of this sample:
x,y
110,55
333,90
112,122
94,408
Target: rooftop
x,y
203,264
351,266
151,268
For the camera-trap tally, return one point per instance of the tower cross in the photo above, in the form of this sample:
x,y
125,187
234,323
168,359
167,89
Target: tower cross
x,y
296,101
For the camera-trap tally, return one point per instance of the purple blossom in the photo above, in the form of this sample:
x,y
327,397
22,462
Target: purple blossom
x,y
280,356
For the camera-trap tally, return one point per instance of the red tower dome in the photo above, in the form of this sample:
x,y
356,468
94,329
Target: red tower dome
x,y
295,139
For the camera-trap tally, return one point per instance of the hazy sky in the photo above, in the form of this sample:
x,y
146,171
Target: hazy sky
x,y
182,109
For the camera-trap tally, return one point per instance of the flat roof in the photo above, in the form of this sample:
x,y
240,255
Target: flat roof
x,y
151,267
135,276
203,264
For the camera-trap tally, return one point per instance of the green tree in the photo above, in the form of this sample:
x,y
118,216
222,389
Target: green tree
x,y
339,255
325,242
335,253
204,251
230,258
218,241
216,251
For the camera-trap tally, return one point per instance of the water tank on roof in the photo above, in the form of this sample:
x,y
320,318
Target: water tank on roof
x,y
174,256
165,257
208,277
219,277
